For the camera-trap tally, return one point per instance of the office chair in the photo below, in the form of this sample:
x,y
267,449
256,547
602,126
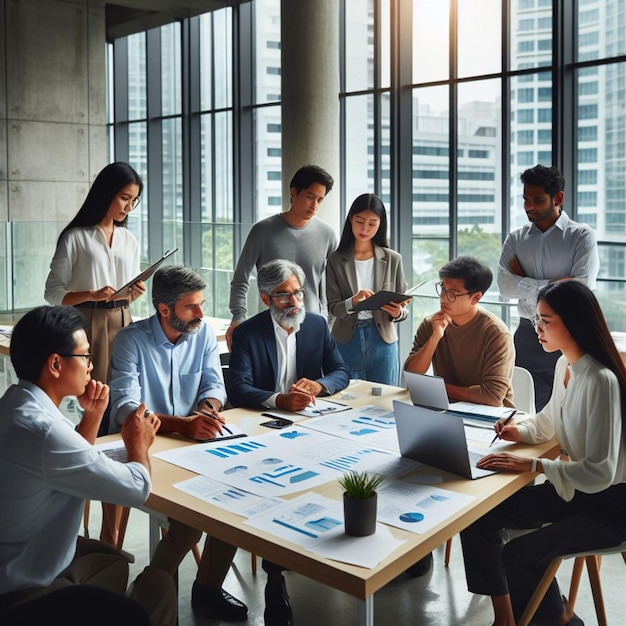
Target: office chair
x,y
592,560
524,399
523,390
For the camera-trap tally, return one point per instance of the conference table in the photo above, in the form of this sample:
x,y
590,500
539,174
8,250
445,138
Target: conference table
x,y
360,582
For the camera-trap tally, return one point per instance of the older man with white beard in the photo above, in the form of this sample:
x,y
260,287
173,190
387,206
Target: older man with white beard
x,y
282,358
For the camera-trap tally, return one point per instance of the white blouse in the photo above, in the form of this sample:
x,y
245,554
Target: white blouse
x,y
83,261
586,420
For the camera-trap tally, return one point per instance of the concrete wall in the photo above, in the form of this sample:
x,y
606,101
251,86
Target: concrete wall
x,y
52,113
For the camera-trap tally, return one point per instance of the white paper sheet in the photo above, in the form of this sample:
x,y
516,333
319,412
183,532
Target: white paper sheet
x,y
417,508
284,462
227,498
371,425
316,523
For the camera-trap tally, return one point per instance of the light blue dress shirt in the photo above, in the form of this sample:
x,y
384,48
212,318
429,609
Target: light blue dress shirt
x,y
567,248
48,470
170,378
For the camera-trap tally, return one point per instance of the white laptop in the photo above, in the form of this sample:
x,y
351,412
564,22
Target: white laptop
x,y
430,392
436,439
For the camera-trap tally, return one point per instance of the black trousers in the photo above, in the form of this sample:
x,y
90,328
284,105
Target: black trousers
x,y
494,567
530,355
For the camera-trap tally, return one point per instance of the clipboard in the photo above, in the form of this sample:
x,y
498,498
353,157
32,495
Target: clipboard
x,y
147,273
380,298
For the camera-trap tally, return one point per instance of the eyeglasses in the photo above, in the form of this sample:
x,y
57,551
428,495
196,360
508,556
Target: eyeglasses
x,y
284,297
450,296
538,323
88,357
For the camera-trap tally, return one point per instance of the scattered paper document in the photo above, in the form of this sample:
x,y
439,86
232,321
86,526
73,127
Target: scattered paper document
x,y
312,521
267,465
322,407
370,425
227,498
417,508
285,461
362,551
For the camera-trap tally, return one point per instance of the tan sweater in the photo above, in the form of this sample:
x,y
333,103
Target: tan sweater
x,y
479,355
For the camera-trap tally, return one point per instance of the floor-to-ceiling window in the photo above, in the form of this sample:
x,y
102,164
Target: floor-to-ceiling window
x,y
443,104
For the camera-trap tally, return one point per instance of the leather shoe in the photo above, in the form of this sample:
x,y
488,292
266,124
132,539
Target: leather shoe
x,y
422,567
217,603
277,607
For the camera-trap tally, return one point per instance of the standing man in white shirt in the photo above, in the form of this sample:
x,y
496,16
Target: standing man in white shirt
x,y
552,247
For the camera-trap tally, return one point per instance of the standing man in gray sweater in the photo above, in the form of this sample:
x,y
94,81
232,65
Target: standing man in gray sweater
x,y
296,235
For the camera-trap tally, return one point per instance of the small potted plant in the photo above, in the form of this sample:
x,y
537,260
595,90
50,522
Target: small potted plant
x,y
359,502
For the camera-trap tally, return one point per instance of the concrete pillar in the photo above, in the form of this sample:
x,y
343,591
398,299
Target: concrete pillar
x,y
310,93
53,138
54,81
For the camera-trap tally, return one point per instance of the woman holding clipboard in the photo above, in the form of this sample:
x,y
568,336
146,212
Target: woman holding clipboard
x,y
95,255
362,265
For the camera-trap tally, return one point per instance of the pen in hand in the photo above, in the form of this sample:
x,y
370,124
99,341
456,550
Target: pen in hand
x,y
506,421
222,426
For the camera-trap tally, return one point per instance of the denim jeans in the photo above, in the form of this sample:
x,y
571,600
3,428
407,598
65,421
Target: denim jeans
x,y
369,357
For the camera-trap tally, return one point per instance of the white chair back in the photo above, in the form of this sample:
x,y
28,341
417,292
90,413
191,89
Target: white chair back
x,y
523,390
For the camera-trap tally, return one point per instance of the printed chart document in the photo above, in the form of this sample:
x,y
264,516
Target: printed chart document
x,y
283,462
227,498
369,424
147,273
321,407
316,523
417,508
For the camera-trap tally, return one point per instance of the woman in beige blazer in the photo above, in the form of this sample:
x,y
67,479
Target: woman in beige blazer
x,y
362,265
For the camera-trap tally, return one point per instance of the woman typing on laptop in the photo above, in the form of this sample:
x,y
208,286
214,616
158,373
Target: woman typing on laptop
x,y
582,506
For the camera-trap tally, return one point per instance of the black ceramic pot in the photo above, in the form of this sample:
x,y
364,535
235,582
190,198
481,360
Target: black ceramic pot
x,y
359,515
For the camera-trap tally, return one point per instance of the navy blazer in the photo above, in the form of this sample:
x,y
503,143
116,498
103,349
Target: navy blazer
x,y
253,361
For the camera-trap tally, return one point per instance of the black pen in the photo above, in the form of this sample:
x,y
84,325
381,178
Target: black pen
x,y
228,430
506,421
277,417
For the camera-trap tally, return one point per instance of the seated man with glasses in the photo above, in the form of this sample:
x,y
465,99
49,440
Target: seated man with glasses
x,y
48,573
470,348
282,358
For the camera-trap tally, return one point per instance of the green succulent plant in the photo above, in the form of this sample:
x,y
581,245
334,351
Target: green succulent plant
x,y
360,485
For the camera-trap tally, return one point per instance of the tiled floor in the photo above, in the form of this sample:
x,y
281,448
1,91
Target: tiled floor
x,y
438,599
